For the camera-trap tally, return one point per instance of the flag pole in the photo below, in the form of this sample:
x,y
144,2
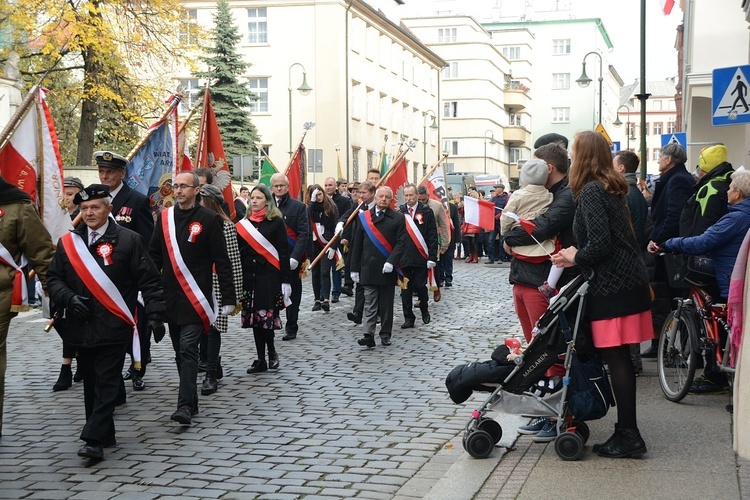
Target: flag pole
x,y
338,162
173,100
200,146
434,167
180,129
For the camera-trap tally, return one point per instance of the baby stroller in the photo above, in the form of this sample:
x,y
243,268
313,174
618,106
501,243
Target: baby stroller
x,y
517,393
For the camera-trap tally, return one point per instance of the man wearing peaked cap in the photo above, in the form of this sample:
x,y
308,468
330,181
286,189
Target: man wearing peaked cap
x,y
130,210
709,201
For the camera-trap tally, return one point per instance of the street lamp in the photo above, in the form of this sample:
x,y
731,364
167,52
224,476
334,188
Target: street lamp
x,y
492,141
618,122
304,89
631,133
434,126
584,80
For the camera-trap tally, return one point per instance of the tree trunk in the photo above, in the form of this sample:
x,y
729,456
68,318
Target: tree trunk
x,y
92,74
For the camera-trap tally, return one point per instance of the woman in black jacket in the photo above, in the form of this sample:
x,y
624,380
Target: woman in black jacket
x,y
323,218
265,269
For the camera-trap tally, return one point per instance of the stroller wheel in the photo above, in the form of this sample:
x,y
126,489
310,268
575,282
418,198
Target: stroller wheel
x,y
492,428
569,446
479,444
582,430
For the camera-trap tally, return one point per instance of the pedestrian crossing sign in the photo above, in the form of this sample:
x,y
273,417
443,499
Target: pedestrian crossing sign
x,y
678,137
730,97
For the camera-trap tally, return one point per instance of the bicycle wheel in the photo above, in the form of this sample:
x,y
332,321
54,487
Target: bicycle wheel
x,y
677,357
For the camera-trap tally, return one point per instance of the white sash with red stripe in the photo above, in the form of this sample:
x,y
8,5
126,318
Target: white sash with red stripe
x,y
20,297
260,243
100,286
338,257
200,303
421,244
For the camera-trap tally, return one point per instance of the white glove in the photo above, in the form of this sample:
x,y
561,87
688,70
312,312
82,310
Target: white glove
x,y
355,277
430,264
330,253
314,195
387,268
293,264
286,291
226,310
339,227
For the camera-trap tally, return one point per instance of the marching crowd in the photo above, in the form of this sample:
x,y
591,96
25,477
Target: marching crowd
x,y
123,277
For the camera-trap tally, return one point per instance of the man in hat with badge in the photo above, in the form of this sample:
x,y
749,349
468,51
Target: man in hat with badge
x,y
94,280
131,210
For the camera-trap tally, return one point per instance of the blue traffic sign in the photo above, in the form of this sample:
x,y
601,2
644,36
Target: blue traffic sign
x,y
615,147
678,137
729,103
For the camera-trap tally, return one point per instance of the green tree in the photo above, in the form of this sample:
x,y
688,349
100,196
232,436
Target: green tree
x,y
230,97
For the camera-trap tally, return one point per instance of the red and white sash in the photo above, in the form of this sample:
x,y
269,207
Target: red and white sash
x,y
100,286
260,243
20,297
198,300
421,244
338,257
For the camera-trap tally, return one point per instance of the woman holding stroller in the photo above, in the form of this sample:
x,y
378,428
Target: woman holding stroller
x,y
619,302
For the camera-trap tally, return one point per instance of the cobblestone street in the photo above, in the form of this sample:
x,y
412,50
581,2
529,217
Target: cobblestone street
x,y
335,420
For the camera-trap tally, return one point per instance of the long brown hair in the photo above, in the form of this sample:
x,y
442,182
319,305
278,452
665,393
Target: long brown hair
x,y
592,162
329,207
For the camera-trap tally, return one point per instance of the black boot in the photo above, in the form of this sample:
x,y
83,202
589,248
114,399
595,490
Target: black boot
x,y
626,443
219,369
597,446
78,376
273,360
210,384
258,366
65,380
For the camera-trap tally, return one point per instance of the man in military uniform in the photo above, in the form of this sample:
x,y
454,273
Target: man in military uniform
x,y
131,210
95,276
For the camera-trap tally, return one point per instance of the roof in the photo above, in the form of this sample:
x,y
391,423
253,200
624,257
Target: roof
x,y
658,88
520,24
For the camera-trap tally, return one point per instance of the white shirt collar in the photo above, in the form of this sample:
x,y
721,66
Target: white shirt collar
x,y
99,231
112,194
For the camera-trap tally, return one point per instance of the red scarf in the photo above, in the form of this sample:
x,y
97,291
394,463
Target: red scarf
x,y
259,215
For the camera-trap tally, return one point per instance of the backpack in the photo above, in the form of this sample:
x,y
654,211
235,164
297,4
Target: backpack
x,y
590,394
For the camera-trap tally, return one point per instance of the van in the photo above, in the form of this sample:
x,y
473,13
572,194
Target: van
x,y
459,182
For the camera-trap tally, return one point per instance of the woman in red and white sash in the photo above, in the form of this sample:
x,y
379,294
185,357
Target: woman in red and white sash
x,y
212,198
323,218
265,267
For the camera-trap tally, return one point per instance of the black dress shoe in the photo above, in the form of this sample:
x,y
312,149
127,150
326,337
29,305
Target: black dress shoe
x,y
210,384
448,284
65,380
258,366
334,299
385,341
289,336
366,341
127,375
408,324
273,360
316,306
138,383
183,416
354,318
347,290
627,443
599,446
425,318
326,306
92,451
78,376
109,442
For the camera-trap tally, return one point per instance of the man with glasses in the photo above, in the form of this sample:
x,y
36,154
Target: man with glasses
x,y
298,232
188,243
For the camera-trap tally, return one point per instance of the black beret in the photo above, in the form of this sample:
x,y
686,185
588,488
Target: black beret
x,y
93,192
550,138
109,159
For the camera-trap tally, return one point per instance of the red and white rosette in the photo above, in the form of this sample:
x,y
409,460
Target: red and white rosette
x,y
195,229
105,252
419,217
2,212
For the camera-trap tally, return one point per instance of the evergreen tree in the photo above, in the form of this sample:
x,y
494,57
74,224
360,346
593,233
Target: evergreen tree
x,y
230,97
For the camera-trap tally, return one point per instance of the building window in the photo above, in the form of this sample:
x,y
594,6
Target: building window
x,y
631,129
560,115
450,109
385,104
514,120
415,170
259,86
451,70
190,93
657,105
385,51
671,127
671,105
512,53
658,128
356,101
370,159
451,147
396,115
514,154
355,164
657,153
560,81
446,35
405,120
189,19
561,46
257,25
372,103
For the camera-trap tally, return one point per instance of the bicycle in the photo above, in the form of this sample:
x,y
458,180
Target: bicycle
x,y
696,325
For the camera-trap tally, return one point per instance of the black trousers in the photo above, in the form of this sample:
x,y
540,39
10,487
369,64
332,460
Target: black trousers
x,y
102,375
359,300
292,311
417,277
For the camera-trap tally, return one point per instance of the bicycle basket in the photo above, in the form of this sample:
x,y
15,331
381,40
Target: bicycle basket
x,y
700,270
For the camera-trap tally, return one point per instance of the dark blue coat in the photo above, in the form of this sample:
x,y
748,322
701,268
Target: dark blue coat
x,y
721,241
673,189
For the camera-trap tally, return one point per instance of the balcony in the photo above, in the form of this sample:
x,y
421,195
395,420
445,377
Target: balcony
x,y
516,136
516,99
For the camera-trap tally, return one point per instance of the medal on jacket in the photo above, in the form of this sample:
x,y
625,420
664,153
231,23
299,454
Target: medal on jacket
x,y
419,218
105,252
195,229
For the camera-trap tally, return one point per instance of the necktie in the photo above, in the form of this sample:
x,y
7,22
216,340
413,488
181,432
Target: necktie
x,y
378,213
411,212
94,236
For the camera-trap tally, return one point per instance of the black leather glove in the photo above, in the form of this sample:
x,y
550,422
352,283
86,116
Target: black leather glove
x,y
156,325
79,307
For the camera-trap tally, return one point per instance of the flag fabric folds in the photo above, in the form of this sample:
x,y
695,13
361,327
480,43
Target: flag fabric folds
x,y
398,178
479,213
151,170
526,224
267,170
666,6
435,185
295,172
383,161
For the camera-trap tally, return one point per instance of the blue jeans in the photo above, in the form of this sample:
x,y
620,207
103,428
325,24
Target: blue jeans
x,y
185,340
501,255
336,286
445,266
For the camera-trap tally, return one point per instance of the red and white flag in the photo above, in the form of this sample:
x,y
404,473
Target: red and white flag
x,y
526,224
399,178
479,213
33,153
666,6
435,184
295,172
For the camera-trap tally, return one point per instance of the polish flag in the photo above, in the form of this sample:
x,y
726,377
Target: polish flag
x,y
479,213
526,224
295,173
398,178
666,6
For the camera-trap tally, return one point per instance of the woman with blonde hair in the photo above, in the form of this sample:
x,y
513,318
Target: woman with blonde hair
x,y
618,302
265,266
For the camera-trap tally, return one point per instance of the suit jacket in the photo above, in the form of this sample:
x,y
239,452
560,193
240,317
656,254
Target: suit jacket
x,y
296,219
367,260
132,210
424,219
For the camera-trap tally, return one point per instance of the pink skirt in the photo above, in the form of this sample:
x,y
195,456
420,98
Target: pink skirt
x,y
632,329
